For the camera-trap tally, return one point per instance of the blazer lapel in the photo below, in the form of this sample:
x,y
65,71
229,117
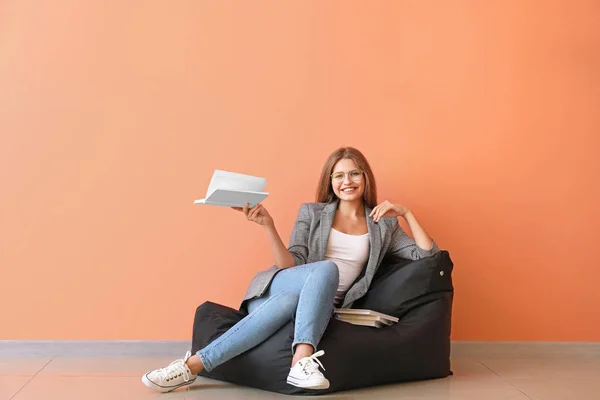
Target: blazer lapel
x,y
375,236
325,228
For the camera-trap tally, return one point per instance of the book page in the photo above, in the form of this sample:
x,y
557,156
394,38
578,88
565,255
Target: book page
x,y
235,181
361,311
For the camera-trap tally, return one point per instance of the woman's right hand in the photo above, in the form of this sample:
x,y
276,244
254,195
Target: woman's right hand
x,y
258,214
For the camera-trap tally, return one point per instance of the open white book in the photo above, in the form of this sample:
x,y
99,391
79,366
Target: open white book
x,y
231,189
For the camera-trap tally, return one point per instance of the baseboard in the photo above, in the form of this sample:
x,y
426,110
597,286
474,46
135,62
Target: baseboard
x,y
92,348
142,348
473,349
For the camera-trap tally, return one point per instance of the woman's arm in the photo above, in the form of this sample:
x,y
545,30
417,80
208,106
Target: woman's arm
x,y
402,245
283,258
421,237
297,252
405,247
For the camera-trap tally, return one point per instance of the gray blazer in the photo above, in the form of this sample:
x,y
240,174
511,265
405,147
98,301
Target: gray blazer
x,y
308,243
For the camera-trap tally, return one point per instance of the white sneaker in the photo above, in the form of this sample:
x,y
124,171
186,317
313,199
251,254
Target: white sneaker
x,y
306,374
176,375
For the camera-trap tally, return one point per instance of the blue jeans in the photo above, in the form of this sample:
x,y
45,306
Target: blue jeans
x,y
307,290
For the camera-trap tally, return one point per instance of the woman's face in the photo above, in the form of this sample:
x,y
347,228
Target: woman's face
x,y
357,185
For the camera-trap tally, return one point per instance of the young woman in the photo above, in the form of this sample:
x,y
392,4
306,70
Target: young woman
x,y
335,248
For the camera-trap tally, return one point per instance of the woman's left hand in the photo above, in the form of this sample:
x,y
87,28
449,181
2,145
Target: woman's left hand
x,y
387,209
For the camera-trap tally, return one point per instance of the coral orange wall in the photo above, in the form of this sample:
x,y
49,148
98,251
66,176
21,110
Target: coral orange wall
x,y
481,116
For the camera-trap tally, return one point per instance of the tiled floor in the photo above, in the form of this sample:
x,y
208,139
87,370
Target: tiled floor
x,y
501,378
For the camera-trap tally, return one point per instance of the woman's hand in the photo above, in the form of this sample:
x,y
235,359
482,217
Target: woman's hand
x,y
387,209
258,214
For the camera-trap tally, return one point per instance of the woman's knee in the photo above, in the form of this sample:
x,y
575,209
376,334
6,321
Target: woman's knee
x,y
330,270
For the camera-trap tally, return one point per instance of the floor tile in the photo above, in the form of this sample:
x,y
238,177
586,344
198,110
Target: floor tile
x,y
120,366
61,387
567,388
22,366
469,367
540,368
85,387
204,388
455,387
10,384
120,378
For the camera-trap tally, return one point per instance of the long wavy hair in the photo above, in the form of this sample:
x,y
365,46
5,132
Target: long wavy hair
x,y
325,193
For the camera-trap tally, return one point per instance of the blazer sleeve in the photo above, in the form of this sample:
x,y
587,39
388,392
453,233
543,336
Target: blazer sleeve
x,y
403,246
299,238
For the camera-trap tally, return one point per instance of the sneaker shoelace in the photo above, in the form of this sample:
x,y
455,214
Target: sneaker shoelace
x,y
174,370
311,364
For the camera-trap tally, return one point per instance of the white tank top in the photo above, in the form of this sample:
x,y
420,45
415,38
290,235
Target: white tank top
x,y
350,253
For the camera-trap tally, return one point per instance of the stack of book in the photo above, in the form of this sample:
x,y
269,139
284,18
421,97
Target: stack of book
x,y
364,317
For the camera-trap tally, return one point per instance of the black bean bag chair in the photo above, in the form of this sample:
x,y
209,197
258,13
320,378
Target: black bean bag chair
x,y
418,292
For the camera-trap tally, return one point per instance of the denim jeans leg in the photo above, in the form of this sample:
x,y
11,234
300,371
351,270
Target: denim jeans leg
x,y
317,284
306,290
252,330
315,305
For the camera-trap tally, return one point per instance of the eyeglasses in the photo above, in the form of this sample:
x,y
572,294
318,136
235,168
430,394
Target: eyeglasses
x,y
355,175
